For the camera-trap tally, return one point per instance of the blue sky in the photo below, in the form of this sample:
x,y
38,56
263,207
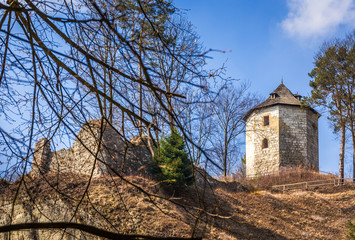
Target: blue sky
x,y
271,40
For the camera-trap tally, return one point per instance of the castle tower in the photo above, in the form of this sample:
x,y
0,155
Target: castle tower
x,y
279,133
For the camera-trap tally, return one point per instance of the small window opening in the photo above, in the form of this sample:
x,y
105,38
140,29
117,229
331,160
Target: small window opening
x,y
266,121
265,143
298,97
273,95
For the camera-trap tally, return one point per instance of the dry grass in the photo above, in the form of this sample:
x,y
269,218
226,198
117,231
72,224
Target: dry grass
x,y
228,212
284,176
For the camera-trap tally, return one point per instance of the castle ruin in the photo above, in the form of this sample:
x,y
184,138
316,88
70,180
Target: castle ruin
x,y
91,153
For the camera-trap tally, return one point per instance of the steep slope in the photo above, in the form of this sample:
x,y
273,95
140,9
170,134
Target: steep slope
x,y
218,211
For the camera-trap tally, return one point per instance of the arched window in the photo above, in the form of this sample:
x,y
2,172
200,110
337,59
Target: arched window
x,y
265,143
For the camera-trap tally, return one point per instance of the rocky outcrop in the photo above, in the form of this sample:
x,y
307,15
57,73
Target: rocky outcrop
x,y
97,150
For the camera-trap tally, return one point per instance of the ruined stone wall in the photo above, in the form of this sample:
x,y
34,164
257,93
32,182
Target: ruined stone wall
x,y
42,157
258,159
293,136
98,151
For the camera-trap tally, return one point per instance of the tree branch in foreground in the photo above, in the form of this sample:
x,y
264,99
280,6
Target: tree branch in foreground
x,y
83,227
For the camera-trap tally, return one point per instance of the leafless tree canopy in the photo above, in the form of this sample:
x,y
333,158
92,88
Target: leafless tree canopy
x,y
64,63
135,65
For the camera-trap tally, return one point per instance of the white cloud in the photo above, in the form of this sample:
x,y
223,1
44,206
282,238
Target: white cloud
x,y
312,18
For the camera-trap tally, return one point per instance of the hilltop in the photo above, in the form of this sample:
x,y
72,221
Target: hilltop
x,y
223,210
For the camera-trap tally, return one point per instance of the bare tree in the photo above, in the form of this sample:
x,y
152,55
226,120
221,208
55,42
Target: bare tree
x,y
229,109
64,63
196,119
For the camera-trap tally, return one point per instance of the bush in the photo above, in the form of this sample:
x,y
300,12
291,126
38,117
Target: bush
x,y
352,229
173,167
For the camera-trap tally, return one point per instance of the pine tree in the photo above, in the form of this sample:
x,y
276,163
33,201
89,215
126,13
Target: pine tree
x,y
173,167
333,86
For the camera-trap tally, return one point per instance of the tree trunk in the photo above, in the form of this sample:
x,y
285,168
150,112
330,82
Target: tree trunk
x,y
225,152
353,138
140,90
104,110
140,105
110,107
110,115
342,151
353,157
170,117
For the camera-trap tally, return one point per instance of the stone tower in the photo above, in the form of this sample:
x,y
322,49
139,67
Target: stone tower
x,y
279,133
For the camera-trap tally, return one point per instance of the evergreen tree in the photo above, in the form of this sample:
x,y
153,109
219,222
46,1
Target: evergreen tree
x,y
333,86
173,167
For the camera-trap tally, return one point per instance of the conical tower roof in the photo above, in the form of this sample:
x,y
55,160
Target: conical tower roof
x,y
280,96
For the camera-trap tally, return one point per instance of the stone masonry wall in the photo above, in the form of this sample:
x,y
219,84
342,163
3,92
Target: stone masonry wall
x,y
258,159
42,157
98,152
312,143
293,136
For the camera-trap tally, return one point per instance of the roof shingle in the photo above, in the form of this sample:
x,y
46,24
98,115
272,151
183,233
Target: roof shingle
x,y
280,96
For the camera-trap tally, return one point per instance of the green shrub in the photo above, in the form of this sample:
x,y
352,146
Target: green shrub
x,y
173,167
352,229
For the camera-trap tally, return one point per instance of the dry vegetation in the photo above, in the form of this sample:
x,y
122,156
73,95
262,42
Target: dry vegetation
x,y
230,211
284,176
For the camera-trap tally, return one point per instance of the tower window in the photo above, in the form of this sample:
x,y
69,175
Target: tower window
x,y
273,95
265,143
266,121
298,97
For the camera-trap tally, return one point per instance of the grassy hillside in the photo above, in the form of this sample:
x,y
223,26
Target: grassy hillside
x,y
218,211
